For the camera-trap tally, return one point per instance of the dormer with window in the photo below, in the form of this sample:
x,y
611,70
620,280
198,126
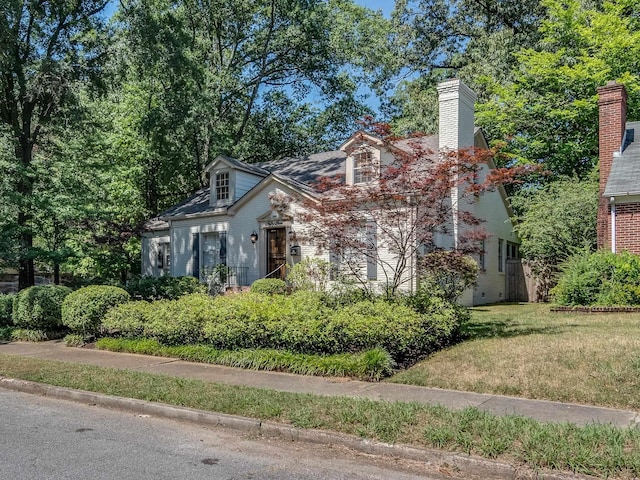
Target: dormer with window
x,y
230,179
364,158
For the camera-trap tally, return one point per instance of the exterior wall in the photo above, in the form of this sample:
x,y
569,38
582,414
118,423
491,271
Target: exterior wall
x,y
244,182
612,103
150,246
627,227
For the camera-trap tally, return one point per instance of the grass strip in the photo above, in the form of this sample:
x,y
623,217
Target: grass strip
x,y
372,364
599,450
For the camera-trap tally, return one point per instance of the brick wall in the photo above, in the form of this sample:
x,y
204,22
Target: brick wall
x,y
627,221
612,103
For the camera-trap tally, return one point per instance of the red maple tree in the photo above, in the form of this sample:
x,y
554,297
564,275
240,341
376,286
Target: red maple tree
x,y
421,197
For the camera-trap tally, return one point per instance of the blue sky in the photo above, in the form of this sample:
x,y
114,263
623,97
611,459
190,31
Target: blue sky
x,y
385,5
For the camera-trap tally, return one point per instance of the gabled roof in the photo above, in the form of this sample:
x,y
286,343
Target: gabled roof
x,y
624,178
309,169
232,162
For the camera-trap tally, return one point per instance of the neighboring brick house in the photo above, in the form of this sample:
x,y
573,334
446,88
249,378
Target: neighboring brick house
x,y
619,193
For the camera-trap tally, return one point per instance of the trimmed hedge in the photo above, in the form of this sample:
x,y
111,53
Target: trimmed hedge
x,y
300,323
39,307
6,310
84,309
269,286
169,288
600,278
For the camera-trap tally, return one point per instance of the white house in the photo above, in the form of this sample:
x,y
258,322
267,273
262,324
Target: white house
x,y
247,219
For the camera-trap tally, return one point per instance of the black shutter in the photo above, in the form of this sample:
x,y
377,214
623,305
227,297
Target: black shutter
x,y
195,245
223,248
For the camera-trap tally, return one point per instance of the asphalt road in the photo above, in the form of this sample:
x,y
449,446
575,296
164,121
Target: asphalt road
x,y
43,438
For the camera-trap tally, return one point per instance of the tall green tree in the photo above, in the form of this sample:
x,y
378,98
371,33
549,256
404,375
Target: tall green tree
x,y
45,46
257,80
548,114
474,40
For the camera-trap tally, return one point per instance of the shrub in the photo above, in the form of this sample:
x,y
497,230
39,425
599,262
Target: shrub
x,y
74,340
445,274
6,309
601,278
39,308
128,319
180,321
28,335
169,288
269,286
84,309
310,274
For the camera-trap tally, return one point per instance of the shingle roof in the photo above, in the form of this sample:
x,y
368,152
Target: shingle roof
x,y
308,169
301,172
624,178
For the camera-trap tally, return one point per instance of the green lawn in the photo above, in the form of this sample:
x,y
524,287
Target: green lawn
x,y
601,450
526,350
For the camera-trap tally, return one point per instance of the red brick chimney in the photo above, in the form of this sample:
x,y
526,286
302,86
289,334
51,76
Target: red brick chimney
x,y
612,104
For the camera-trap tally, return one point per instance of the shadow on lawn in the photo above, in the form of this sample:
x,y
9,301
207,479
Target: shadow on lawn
x,y
496,329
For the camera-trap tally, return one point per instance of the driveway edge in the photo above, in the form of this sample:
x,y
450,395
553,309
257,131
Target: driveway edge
x,y
462,464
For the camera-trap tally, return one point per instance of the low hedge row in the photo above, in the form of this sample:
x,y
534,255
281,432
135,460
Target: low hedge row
x,y
368,365
168,288
300,323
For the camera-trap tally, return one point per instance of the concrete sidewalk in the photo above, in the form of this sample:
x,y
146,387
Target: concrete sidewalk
x,y
497,404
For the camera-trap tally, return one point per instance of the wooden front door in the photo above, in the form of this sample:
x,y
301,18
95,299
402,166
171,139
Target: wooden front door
x,y
276,253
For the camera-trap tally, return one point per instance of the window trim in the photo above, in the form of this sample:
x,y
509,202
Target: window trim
x,y
364,171
218,186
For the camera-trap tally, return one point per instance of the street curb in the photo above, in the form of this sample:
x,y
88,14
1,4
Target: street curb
x,y
462,464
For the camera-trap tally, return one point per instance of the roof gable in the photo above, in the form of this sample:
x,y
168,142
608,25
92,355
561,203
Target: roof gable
x,y
624,178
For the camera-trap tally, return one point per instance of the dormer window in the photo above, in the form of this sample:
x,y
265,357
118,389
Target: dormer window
x,y
364,167
222,186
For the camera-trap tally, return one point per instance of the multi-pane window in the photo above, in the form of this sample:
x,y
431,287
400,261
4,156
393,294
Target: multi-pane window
x,y
222,186
214,250
483,258
500,255
364,167
164,257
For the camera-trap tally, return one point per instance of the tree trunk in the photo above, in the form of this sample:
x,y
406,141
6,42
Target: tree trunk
x,y
56,273
26,272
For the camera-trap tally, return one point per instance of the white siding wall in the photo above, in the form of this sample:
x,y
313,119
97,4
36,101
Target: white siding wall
x,y
244,182
150,247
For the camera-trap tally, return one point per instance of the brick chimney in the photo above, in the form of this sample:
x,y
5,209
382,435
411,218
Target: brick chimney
x,y
612,104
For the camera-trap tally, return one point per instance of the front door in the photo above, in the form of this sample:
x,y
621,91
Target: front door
x,y
276,253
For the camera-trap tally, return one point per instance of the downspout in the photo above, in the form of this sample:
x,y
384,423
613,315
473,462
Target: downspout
x,y
612,202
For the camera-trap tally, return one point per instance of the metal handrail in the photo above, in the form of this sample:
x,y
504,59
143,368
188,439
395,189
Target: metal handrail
x,y
269,274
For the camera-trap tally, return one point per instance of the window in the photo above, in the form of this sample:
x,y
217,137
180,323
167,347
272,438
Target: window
x,y
364,168
164,257
483,260
222,186
214,251
500,255
512,251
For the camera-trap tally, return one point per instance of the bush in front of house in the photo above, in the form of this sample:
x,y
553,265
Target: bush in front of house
x,y
128,320
179,322
165,287
600,278
6,310
269,286
39,307
84,309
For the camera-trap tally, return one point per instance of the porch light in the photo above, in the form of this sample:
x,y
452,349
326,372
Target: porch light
x,y
254,237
